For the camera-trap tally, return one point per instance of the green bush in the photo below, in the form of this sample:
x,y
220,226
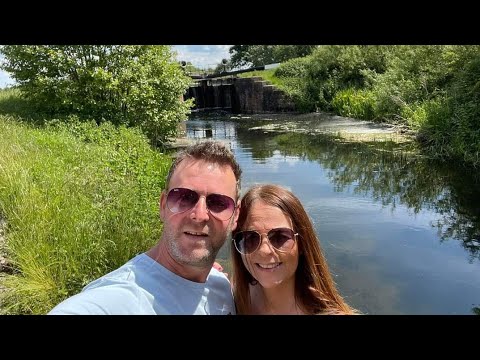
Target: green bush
x,y
359,104
448,125
294,68
415,74
334,68
133,85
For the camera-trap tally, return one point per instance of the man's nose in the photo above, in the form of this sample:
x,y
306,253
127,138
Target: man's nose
x,y
200,211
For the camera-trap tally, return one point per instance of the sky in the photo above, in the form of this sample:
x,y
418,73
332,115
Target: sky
x,y
5,79
201,56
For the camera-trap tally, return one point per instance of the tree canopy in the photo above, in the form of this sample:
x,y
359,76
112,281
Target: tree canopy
x,y
135,85
257,55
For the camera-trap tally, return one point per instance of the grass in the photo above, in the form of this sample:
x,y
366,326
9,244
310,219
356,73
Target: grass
x,y
265,74
79,201
12,104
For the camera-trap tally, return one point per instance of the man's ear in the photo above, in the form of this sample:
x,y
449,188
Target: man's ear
x,y
163,205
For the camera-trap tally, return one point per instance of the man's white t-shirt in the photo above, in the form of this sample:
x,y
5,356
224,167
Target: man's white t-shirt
x,y
144,287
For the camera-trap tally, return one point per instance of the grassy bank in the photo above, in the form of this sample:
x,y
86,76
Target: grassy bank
x,y
79,201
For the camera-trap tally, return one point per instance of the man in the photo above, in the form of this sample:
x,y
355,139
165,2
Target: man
x,y
199,207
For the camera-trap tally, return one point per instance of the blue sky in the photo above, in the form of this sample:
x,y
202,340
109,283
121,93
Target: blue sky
x,y
5,79
201,56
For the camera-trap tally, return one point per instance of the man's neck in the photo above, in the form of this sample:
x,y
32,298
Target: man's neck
x,y
161,255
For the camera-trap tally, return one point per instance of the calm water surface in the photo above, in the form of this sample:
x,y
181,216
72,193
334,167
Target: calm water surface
x,y
401,234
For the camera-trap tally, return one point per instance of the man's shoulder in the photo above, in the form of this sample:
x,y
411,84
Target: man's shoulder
x,y
218,277
126,275
114,293
105,296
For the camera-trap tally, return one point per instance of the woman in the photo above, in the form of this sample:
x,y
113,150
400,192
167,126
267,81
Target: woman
x,y
278,265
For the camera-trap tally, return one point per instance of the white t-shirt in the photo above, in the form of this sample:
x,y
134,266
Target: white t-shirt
x,y
144,287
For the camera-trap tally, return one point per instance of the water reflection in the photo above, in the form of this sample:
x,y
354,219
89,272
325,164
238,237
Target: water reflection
x,y
200,129
389,174
373,206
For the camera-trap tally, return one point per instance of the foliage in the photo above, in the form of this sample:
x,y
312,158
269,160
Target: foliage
x,y
293,74
296,88
358,104
134,85
79,201
453,131
293,68
414,74
333,68
435,90
13,104
257,55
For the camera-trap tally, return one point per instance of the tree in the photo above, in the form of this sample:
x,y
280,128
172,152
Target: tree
x,y
257,55
139,85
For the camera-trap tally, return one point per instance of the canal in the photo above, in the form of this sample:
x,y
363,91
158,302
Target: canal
x,y
400,232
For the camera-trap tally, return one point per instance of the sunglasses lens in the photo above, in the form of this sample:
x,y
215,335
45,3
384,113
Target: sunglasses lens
x,y
221,206
247,242
282,239
180,199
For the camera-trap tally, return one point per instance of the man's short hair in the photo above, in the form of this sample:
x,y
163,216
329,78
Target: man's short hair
x,y
212,151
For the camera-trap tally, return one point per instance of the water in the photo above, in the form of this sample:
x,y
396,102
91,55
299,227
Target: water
x,y
400,233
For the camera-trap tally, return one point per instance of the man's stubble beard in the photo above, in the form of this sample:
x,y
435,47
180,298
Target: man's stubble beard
x,y
198,257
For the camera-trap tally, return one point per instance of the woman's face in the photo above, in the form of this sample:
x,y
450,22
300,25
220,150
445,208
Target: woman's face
x,y
268,265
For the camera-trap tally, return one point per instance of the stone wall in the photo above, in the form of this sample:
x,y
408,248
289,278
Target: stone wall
x,y
255,95
240,95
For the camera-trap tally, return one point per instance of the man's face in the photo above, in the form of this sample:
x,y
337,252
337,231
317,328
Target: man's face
x,y
194,237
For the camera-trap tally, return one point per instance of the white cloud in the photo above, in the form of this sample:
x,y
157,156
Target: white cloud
x,y
202,56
